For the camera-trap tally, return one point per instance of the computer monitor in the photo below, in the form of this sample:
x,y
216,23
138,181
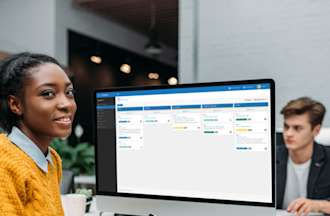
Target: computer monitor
x,y
192,149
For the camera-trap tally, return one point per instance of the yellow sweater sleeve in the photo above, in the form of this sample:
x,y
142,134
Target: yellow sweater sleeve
x,y
10,200
25,190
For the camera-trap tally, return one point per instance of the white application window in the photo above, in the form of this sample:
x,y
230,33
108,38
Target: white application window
x,y
162,141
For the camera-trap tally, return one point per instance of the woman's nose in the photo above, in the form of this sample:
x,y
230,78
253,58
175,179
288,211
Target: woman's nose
x,y
65,103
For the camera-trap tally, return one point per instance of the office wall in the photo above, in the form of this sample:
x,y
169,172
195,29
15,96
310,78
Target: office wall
x,y
27,25
71,17
187,41
238,39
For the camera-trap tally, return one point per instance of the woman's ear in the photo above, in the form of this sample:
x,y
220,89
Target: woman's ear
x,y
15,105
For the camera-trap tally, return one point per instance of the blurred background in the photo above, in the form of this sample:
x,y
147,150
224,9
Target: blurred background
x,y
108,43
101,43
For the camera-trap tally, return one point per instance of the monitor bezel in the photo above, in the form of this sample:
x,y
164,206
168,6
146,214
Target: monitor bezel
x,y
177,198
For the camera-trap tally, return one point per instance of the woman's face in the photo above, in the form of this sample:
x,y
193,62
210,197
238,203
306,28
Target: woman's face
x,y
47,106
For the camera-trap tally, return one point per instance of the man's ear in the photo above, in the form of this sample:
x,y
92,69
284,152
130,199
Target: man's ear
x,y
15,105
316,130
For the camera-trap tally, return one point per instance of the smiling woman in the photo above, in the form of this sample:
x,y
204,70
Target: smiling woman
x,y
36,105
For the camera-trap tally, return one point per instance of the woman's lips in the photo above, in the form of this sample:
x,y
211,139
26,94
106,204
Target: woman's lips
x,y
66,121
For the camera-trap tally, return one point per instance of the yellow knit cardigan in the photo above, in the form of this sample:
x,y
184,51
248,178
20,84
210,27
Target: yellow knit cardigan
x,y
24,188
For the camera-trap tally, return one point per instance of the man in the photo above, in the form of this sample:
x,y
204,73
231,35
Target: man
x,y
303,166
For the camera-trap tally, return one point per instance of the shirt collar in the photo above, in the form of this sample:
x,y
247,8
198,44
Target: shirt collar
x,y
30,148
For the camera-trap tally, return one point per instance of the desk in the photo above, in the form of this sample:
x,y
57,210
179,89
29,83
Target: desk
x,y
95,212
285,213
278,213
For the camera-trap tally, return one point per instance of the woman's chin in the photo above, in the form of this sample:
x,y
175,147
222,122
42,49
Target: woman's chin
x,y
63,133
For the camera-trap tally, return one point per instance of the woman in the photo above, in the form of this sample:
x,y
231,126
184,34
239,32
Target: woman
x,y
36,105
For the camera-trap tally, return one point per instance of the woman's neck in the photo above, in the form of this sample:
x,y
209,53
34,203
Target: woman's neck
x,y
40,141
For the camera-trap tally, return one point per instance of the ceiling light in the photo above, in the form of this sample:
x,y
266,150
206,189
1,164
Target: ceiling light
x,y
153,46
125,68
96,59
153,76
172,81
153,49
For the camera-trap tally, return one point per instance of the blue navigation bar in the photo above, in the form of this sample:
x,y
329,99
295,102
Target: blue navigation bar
x,y
259,104
184,90
191,106
129,108
217,105
157,107
105,107
188,106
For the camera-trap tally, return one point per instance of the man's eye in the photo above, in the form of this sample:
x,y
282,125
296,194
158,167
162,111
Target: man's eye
x,y
297,128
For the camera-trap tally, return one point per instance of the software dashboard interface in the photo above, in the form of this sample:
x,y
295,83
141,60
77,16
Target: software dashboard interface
x,y
211,142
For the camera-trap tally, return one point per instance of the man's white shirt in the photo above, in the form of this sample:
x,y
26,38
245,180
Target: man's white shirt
x,y
296,181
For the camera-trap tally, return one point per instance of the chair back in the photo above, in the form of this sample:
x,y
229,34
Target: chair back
x,y
324,136
67,183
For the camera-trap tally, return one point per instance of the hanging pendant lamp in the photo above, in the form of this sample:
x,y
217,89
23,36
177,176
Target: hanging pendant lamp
x,y
153,46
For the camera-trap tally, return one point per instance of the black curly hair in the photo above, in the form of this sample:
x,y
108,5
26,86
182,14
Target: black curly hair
x,y
13,72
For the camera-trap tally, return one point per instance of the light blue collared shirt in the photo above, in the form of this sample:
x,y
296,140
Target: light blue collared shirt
x,y
30,148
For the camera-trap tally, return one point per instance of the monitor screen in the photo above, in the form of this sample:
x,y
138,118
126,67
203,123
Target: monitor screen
x,y
207,142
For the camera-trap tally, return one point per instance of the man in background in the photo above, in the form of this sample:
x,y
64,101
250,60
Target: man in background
x,y
303,166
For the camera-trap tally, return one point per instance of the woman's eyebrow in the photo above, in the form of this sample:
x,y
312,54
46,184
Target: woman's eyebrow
x,y
68,84
54,85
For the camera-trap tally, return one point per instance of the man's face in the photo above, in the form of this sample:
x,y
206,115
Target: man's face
x,y
298,132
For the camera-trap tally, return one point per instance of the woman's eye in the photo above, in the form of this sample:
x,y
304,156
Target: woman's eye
x,y
48,94
70,92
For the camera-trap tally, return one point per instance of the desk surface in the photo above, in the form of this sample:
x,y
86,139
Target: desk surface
x,y
285,213
94,212
278,213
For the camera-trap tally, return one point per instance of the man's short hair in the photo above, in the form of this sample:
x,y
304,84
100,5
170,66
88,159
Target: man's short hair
x,y
300,106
